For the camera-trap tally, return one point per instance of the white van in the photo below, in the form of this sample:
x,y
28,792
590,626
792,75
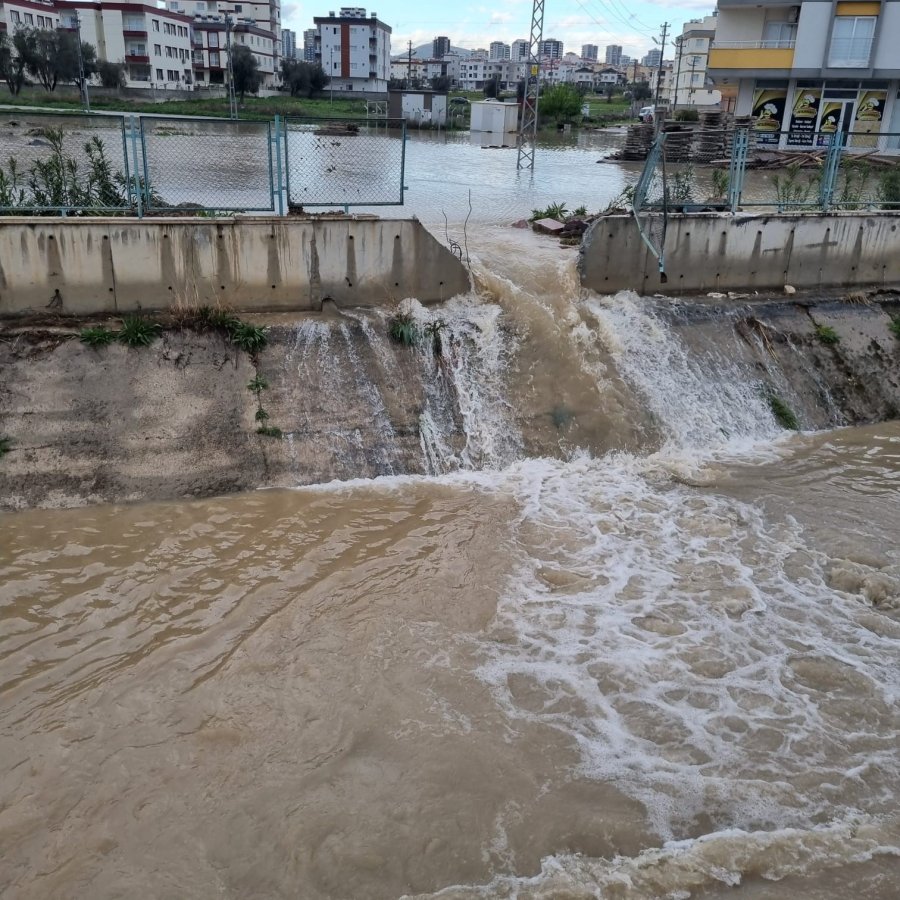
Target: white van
x,y
646,114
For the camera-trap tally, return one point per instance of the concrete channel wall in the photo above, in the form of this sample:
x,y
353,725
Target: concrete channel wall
x,y
122,265
722,252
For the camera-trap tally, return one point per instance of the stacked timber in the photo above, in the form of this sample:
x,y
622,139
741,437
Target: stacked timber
x,y
638,141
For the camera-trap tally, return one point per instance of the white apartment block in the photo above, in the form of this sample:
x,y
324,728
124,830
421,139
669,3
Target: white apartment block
x,y
807,70
154,43
473,73
499,50
691,50
210,51
25,14
354,49
519,50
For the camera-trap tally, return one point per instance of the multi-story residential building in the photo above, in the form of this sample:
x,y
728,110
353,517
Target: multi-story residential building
x,y
652,58
551,48
589,52
440,47
27,14
288,43
210,50
811,68
499,50
519,50
473,73
261,15
309,44
354,50
691,57
154,44
614,54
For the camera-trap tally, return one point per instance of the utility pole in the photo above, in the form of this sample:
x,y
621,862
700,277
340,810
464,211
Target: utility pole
x,y
85,99
680,43
529,122
691,90
662,54
232,99
409,81
331,76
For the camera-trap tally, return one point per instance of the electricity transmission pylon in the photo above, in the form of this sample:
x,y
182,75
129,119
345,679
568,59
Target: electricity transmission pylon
x,y
529,124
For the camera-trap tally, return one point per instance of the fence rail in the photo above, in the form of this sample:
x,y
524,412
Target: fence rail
x,y
80,164
780,170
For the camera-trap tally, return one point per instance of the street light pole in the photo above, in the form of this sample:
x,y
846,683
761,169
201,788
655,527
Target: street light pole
x,y
85,98
232,99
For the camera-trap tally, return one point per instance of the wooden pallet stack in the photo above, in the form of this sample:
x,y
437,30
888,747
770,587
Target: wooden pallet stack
x,y
638,141
711,137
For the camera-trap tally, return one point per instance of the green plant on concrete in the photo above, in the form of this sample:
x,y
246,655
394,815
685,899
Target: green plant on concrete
x,y
5,446
679,187
720,185
97,337
580,212
433,330
258,384
827,335
889,188
622,203
790,190
784,415
269,431
895,327
138,331
687,115
853,184
403,329
12,194
249,338
261,415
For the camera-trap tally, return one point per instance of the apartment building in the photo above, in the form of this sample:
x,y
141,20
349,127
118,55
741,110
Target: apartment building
x,y
690,75
589,52
613,54
26,14
810,69
309,44
288,43
153,43
354,49
473,73
499,50
519,49
210,50
440,47
551,48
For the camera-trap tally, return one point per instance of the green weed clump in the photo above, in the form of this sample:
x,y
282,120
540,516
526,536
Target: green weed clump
x,y
553,211
138,331
249,338
269,431
433,330
5,446
827,335
403,329
895,327
784,415
97,337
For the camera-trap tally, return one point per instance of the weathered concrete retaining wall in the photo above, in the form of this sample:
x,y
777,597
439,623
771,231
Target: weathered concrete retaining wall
x,y
122,265
718,251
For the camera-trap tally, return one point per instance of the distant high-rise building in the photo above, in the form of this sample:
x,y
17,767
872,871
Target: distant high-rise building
x,y
499,50
519,50
288,43
440,47
590,51
652,59
552,48
614,54
354,49
309,44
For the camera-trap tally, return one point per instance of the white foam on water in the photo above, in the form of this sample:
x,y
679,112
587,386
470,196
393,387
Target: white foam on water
x,y
680,868
693,651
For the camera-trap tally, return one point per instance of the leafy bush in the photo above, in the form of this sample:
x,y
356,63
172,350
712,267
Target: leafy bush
x,y
97,337
580,211
403,329
258,384
784,415
827,335
889,189
553,211
138,331
687,115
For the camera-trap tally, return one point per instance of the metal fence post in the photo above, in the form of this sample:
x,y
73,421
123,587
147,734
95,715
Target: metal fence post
x,y
403,187
279,173
134,180
830,170
738,167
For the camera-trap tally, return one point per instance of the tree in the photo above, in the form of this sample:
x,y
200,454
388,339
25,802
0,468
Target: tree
x,y
640,90
112,75
52,56
302,78
12,66
245,70
440,83
561,102
492,86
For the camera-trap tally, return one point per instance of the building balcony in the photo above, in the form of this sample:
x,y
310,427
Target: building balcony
x,y
136,58
751,55
128,33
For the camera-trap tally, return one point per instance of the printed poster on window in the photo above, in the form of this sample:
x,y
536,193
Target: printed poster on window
x,y
804,113
831,121
869,112
768,111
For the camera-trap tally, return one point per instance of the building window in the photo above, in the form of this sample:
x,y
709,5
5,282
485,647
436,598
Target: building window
x,y
851,42
29,19
156,28
213,39
779,36
15,15
157,50
159,75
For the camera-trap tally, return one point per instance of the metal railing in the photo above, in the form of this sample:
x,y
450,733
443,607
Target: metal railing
x,y
82,164
782,170
345,162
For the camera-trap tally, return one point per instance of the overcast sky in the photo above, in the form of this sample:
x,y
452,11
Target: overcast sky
x,y
631,23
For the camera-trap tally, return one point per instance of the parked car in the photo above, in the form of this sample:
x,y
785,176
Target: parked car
x,y
460,100
646,114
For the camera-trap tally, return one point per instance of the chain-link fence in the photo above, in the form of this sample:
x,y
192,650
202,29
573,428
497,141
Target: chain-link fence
x,y
779,170
345,162
207,164
60,163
